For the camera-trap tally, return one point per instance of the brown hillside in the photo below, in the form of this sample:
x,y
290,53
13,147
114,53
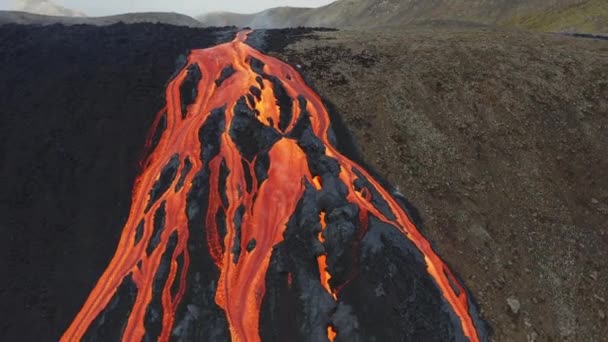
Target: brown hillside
x,y
499,139
546,15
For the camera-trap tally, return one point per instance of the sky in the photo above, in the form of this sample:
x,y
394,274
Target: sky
x,y
190,7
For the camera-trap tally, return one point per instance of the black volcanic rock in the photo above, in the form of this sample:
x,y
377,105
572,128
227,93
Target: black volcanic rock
x,y
75,106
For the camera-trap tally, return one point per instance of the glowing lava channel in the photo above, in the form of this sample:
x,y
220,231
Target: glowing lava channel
x,y
235,89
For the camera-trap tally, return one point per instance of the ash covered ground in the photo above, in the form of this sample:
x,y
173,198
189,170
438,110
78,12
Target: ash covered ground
x,y
497,137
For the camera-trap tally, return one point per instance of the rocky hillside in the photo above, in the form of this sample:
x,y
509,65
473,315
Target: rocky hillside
x,y
551,15
583,16
274,17
499,138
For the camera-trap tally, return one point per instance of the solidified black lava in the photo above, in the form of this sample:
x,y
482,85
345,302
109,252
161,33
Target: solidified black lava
x,y
198,318
226,73
288,312
178,274
188,89
248,133
255,91
238,222
154,312
341,236
167,175
392,275
251,245
185,170
224,172
110,323
377,200
159,226
77,105
262,164
260,81
209,134
220,221
277,40
256,65
139,232
251,101
283,101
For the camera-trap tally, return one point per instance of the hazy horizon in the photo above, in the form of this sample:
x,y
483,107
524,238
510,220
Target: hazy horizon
x,y
189,7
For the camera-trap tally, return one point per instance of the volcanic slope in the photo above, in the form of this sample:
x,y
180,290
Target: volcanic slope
x,y
75,106
496,136
589,16
499,139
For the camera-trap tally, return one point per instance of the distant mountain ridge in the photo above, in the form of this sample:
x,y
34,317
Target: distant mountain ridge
x,y
278,17
571,16
543,15
14,17
46,12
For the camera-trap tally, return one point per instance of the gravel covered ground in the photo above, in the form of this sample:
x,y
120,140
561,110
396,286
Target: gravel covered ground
x,y
499,139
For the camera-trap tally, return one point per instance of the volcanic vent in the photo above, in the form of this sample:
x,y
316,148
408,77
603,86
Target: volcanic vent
x,y
248,224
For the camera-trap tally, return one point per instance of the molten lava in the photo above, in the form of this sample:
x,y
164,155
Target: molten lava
x,y
240,130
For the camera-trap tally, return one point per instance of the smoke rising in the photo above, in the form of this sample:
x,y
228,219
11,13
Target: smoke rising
x,y
46,7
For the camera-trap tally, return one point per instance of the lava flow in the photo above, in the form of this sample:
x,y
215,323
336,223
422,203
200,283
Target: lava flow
x,y
243,175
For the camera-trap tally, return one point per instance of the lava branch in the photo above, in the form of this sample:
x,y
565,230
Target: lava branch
x,y
233,133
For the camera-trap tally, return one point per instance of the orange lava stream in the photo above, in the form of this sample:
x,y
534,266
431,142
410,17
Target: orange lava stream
x,y
268,206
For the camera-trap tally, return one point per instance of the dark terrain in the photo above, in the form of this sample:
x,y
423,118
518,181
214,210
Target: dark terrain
x,y
77,104
497,137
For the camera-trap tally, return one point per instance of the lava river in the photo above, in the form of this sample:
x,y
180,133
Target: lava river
x,y
247,223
